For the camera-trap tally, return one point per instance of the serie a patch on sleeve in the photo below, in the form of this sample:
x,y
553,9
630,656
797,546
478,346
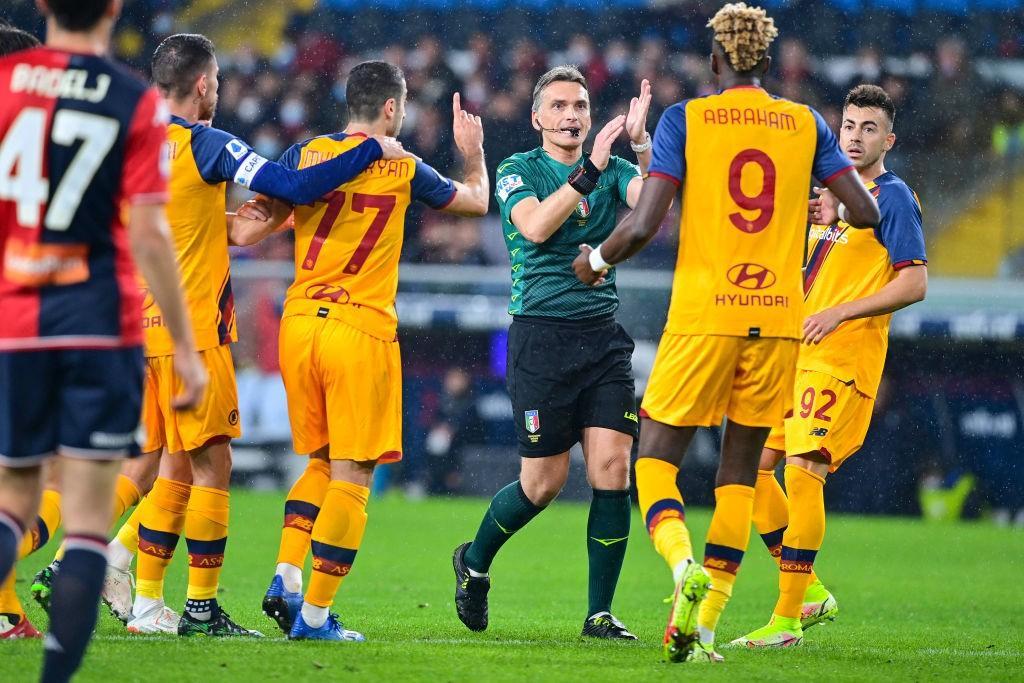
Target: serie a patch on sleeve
x,y
508,185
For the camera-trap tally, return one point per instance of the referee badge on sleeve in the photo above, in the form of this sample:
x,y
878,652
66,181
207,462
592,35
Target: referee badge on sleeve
x,y
532,421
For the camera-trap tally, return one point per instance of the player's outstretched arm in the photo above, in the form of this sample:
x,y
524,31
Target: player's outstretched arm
x,y
538,220
908,287
256,219
473,193
631,234
304,186
154,256
861,209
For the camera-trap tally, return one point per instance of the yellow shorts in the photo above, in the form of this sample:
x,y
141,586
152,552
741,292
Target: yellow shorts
x,y
187,430
699,379
829,416
344,388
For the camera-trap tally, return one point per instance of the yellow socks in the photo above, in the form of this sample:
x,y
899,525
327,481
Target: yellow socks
x,y
662,508
128,534
9,603
161,518
771,511
336,537
126,494
206,535
47,523
301,508
802,539
771,514
727,541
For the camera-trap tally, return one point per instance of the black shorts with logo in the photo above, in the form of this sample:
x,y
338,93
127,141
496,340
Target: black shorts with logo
x,y
564,375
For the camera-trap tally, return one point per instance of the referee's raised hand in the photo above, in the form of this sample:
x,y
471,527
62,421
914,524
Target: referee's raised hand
x,y
603,141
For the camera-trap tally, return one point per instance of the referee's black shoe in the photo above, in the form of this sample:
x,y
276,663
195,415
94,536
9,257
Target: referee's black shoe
x,y
604,625
470,592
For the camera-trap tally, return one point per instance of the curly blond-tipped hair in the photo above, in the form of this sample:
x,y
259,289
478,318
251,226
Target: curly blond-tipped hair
x,y
744,34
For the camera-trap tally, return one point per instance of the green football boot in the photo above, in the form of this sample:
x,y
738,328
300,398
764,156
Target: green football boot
x,y
780,632
704,654
819,606
681,631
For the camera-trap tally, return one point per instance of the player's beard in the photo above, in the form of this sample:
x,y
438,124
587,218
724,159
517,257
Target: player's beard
x,y
207,109
867,162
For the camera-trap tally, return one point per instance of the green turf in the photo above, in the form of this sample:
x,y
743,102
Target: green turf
x,y
917,601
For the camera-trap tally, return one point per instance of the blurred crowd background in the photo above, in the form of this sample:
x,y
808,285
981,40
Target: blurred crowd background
x,y
949,435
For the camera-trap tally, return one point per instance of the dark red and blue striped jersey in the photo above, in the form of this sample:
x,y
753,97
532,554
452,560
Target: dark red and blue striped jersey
x,y
80,142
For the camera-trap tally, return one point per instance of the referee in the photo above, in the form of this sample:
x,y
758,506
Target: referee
x,y
568,374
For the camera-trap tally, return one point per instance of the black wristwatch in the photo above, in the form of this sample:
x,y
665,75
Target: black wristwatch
x,y
584,178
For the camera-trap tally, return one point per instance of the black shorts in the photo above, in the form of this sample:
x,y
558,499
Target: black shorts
x,y
80,403
564,375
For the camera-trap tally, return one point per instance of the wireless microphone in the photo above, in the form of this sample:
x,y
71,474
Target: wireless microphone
x,y
575,132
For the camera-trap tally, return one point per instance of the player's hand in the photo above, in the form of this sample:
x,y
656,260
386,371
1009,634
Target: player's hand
x,y
392,148
636,119
259,208
602,150
468,129
822,324
192,373
823,209
584,272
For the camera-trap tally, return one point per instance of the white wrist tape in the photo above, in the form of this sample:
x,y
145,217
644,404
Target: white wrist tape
x,y
597,262
842,212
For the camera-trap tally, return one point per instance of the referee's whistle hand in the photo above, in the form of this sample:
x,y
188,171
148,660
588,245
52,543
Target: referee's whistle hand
x,y
584,273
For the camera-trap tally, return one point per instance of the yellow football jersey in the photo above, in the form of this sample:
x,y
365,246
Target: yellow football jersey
x,y
745,160
348,243
846,263
202,160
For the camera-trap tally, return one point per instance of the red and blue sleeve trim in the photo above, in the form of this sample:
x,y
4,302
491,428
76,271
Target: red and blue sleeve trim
x,y
900,265
837,174
666,176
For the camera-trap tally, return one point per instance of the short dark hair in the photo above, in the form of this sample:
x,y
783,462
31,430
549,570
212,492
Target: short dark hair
x,y
14,39
77,15
179,60
866,95
567,73
369,86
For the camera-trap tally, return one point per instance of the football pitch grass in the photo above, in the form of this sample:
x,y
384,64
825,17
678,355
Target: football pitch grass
x,y
917,602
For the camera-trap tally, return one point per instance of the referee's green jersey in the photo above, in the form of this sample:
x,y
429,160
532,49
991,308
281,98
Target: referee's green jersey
x,y
543,282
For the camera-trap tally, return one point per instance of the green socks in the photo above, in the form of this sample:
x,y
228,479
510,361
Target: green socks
x,y
509,512
607,535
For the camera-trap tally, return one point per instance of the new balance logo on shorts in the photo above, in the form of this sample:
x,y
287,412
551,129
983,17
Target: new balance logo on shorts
x,y
819,431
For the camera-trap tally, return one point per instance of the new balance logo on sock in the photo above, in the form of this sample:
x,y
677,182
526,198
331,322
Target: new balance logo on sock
x,y
608,541
331,559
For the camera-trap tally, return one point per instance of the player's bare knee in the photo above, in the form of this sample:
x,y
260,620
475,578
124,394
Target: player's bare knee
x,y
814,462
359,472
20,490
610,473
88,495
542,479
211,465
664,442
143,470
770,459
176,467
543,492
51,474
